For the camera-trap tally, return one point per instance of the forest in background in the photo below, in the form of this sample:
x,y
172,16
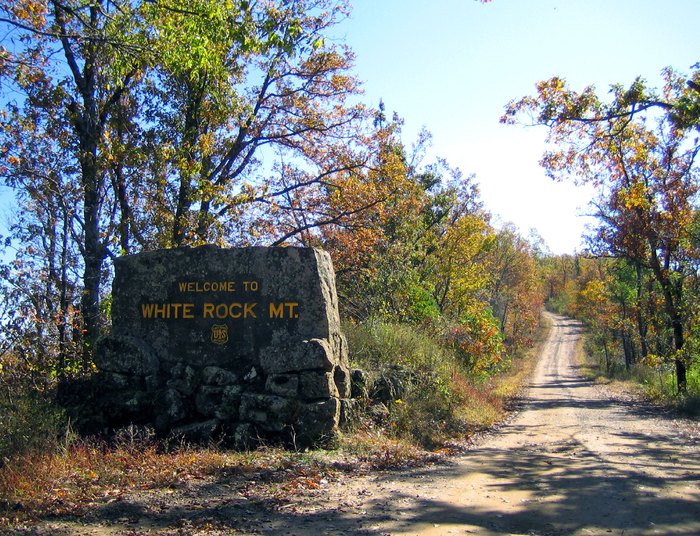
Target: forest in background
x,y
132,126
142,126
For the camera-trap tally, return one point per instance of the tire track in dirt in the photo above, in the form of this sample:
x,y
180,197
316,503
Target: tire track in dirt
x,y
573,461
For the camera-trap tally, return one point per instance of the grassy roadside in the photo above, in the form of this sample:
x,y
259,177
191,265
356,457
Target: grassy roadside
x,y
70,476
653,385
445,408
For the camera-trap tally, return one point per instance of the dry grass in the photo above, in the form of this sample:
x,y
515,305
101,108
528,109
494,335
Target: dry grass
x,y
372,450
488,403
74,479
508,386
88,474
71,478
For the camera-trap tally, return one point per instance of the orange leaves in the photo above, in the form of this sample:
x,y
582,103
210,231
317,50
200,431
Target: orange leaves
x,y
31,12
477,342
86,474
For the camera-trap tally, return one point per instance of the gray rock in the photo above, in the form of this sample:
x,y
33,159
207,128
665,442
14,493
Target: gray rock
x,y
361,383
317,385
169,408
208,400
317,423
245,436
218,376
230,404
351,412
283,385
269,412
125,355
247,338
125,405
379,413
305,355
197,432
117,381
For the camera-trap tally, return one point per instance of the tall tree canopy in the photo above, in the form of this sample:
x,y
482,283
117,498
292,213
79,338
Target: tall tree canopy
x,y
131,125
640,149
135,125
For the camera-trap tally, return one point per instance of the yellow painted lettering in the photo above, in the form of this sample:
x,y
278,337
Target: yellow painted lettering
x,y
248,310
187,310
292,309
232,310
277,310
147,310
208,310
207,286
221,310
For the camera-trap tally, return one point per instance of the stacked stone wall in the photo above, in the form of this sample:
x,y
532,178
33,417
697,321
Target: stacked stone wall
x,y
243,344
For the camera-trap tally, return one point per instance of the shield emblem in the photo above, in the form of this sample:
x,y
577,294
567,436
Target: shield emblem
x,y
219,334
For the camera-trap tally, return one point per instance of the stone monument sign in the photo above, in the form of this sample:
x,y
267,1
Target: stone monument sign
x,y
238,343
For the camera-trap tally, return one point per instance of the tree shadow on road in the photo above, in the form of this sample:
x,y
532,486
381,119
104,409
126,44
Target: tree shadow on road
x,y
557,488
651,485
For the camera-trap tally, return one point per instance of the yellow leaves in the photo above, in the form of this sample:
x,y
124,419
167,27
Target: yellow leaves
x,y
594,293
30,11
654,360
459,259
549,88
206,143
636,197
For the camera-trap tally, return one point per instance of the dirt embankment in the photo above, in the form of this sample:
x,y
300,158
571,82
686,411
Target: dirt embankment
x,y
573,461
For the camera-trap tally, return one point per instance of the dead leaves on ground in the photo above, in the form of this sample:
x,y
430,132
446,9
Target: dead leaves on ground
x,y
88,476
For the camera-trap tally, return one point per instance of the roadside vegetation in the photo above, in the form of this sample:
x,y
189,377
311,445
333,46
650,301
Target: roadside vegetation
x,y
115,141
434,406
601,294
133,126
637,286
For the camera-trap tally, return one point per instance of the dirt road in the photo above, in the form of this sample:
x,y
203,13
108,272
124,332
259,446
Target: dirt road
x,y
575,460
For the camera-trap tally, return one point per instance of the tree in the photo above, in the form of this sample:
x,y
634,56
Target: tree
x,y
645,167
70,62
154,117
379,251
514,291
248,135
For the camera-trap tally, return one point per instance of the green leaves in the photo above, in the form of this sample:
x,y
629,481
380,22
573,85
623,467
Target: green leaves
x,y
645,166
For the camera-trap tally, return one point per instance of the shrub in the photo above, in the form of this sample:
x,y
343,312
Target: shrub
x,y
420,381
478,343
29,420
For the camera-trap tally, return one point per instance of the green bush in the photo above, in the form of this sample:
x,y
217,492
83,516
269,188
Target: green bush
x,y
658,382
419,374
660,385
29,420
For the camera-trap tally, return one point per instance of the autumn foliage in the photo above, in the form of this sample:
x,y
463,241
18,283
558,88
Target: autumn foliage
x,y
639,148
131,126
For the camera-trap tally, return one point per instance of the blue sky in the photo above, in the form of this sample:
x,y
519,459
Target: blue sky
x,y
452,65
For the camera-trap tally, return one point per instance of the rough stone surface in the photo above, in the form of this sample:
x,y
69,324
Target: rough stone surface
x,y
244,342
